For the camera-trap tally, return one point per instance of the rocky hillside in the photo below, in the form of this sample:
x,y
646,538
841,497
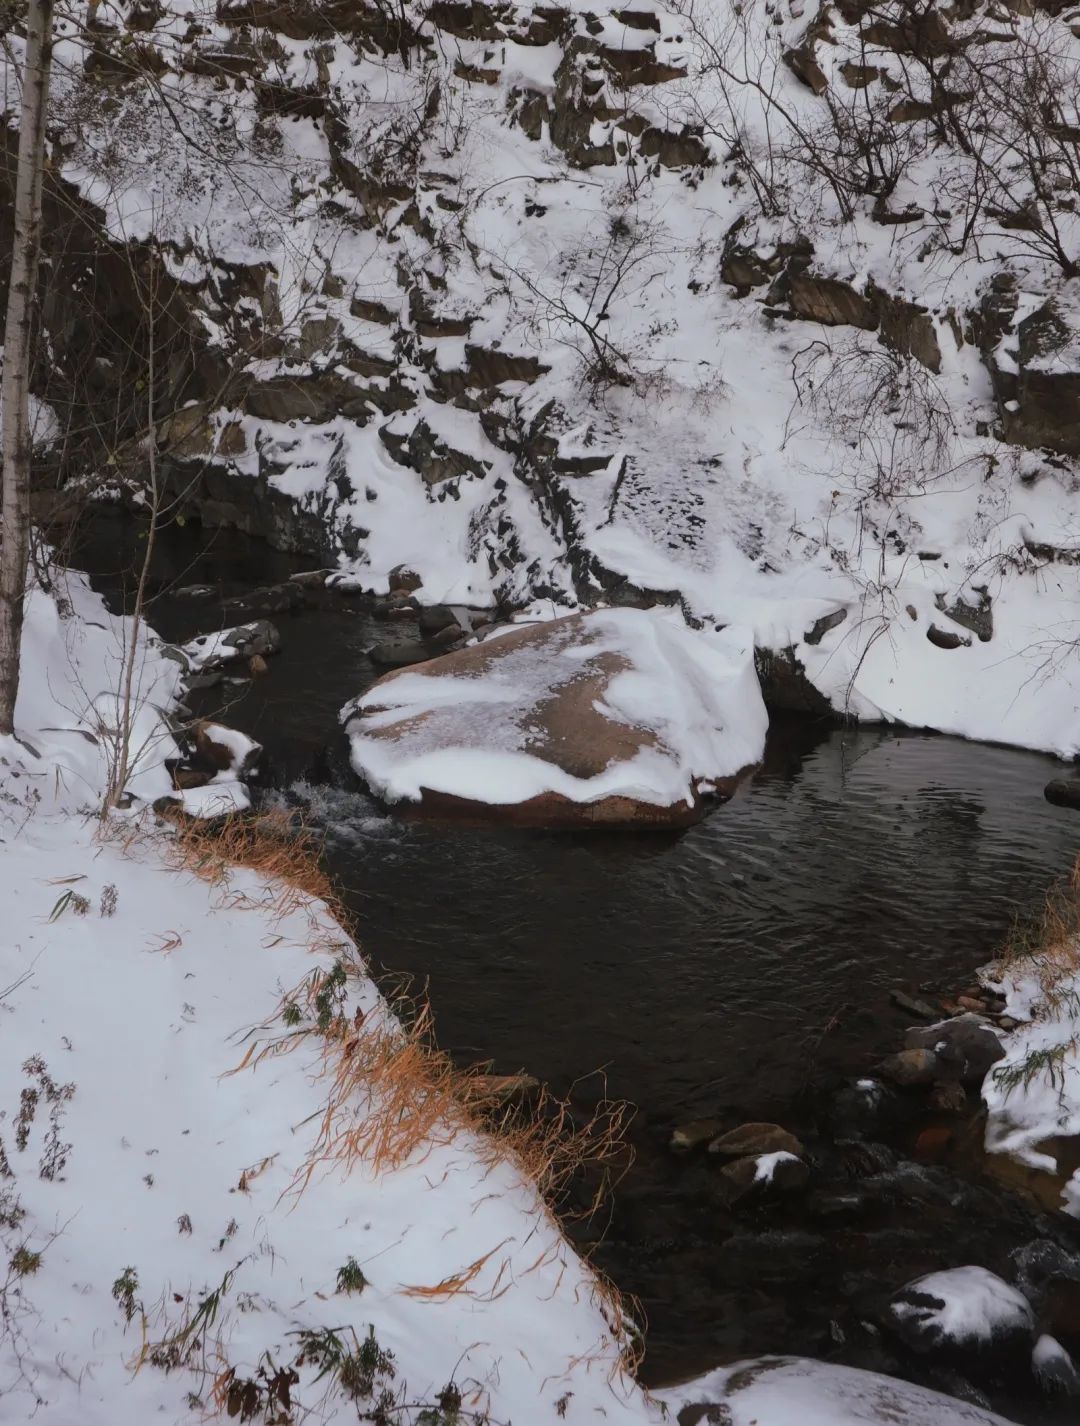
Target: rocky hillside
x,y
765,310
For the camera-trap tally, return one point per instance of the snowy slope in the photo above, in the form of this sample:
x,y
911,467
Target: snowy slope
x,y
577,302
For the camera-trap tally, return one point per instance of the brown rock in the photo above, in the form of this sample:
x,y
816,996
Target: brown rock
x,y
692,1135
948,1097
755,1139
911,1068
932,1145
257,665
750,1176
404,579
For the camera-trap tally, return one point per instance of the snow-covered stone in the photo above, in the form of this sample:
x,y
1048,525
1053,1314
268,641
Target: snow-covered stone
x,y
968,1308
794,1391
618,717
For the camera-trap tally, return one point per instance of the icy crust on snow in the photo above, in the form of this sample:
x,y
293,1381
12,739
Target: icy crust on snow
x,y
963,1305
695,696
794,1391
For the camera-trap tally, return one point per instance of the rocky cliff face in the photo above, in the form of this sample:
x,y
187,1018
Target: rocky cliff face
x,y
765,311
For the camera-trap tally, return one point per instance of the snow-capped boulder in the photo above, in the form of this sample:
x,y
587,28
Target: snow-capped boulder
x,y
965,1315
794,1391
621,717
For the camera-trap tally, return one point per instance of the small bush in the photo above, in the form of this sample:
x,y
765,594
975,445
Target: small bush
x,y
350,1277
24,1261
123,1290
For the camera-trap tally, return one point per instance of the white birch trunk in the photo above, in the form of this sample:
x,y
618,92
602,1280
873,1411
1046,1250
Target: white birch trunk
x,y
15,388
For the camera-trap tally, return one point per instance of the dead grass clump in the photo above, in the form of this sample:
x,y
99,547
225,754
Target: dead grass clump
x,y
1050,943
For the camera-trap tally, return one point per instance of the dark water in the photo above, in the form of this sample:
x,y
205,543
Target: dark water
x,y
740,969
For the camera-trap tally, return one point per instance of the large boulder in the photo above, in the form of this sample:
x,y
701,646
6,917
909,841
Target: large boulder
x,y
619,717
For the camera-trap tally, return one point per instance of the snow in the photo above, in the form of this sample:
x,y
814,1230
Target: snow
x,y
794,1391
731,469
972,1305
1032,1096
766,1164
695,696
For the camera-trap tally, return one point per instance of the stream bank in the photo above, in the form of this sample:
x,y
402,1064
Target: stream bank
x,y
740,971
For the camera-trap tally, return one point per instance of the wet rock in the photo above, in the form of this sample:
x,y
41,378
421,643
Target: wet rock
x,y
194,591
766,1173
274,599
395,606
436,618
260,637
311,578
932,1144
914,1005
1063,791
948,1098
754,1139
400,653
1054,1369
964,1048
784,683
448,637
911,1068
693,1135
865,1108
965,1317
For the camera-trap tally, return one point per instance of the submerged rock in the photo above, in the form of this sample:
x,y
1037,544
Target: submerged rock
x,y
693,1135
612,718
400,653
755,1139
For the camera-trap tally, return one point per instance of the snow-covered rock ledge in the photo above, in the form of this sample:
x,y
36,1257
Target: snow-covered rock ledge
x,y
620,717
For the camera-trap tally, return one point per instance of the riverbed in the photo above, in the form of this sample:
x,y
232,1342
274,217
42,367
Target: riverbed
x,y
740,970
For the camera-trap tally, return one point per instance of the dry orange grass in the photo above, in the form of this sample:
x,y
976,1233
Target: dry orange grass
x,y
393,1095
1050,942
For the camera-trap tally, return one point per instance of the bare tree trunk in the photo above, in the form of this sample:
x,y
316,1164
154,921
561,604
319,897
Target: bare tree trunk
x,y
15,389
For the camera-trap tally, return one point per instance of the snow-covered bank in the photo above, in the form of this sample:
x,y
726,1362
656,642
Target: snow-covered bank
x,y
163,1212
1033,1094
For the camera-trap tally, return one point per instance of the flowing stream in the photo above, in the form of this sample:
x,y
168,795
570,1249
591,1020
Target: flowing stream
x,y
740,970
